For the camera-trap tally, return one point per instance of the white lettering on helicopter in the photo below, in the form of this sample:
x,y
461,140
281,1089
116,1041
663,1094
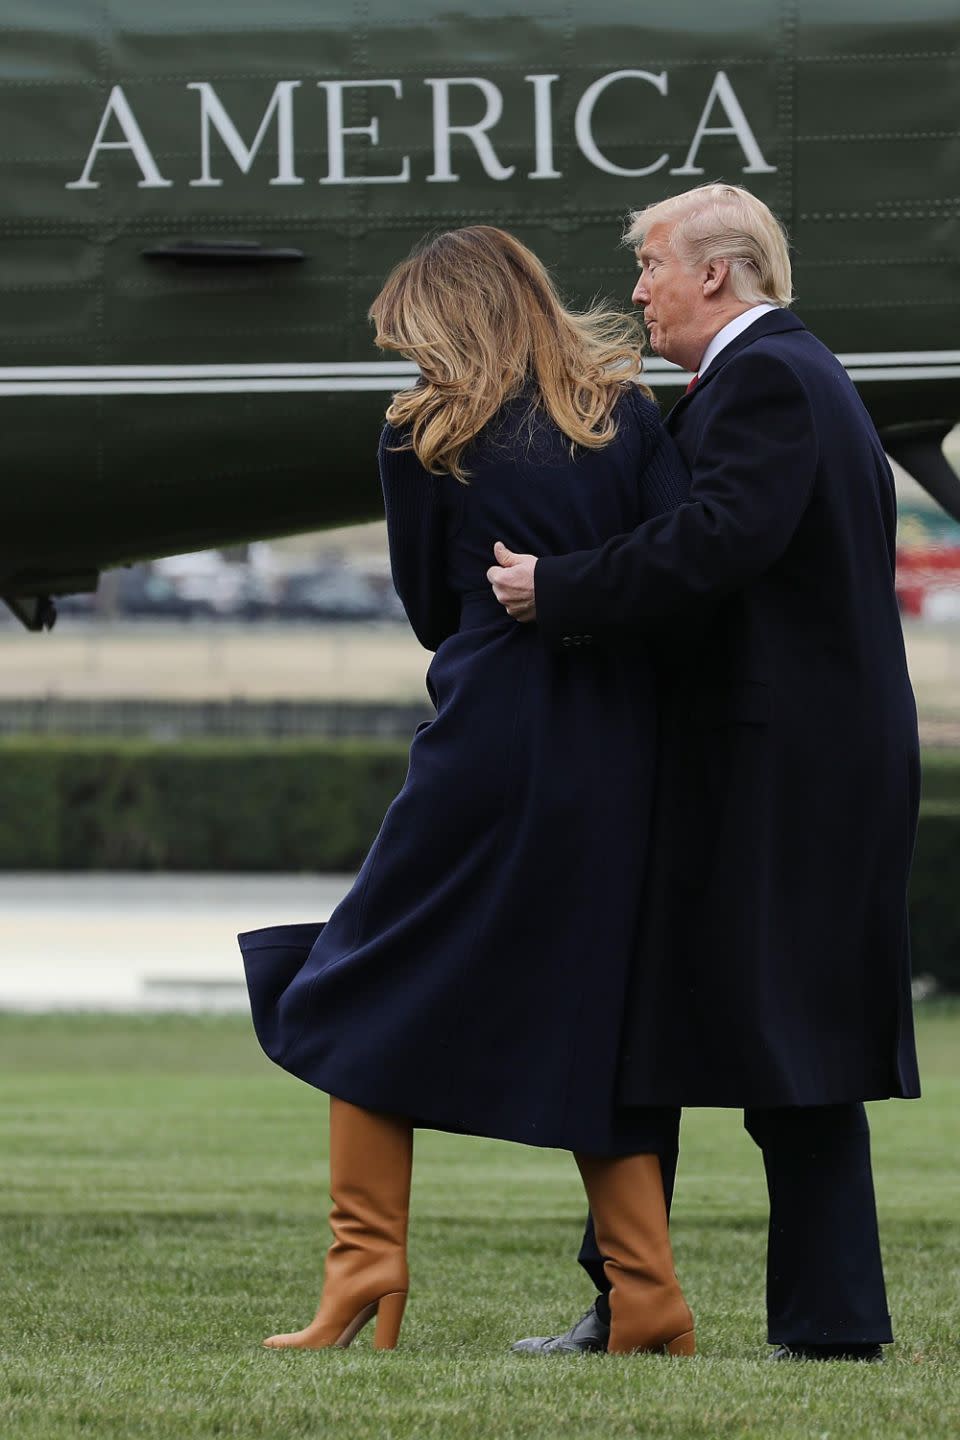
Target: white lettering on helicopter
x,y
214,116
118,108
213,112
543,127
723,93
476,134
583,121
337,131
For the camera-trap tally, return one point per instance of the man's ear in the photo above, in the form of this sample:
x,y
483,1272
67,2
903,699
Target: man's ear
x,y
715,273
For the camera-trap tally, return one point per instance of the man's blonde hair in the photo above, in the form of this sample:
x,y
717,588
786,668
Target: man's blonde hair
x,y
478,313
724,222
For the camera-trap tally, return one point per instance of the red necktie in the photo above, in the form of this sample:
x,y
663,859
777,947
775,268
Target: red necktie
x,y
693,385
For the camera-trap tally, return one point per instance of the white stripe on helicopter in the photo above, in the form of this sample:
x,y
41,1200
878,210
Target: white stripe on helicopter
x,y
383,375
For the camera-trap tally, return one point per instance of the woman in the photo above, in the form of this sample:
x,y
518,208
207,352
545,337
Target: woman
x,y
473,978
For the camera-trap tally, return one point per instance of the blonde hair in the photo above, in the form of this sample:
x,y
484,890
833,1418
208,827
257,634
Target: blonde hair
x,y
724,222
478,313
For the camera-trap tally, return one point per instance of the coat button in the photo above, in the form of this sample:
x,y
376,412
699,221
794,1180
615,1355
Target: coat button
x,y
567,640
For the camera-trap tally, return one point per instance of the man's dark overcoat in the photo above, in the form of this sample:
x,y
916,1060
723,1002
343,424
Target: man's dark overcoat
x,y
774,967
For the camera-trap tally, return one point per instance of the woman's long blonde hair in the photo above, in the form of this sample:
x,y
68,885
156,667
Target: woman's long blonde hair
x,y
479,315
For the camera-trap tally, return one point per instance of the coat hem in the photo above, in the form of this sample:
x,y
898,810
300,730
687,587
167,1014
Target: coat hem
x,y
697,1101
465,1125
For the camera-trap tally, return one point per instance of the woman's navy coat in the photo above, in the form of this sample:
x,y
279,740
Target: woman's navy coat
x,y
774,967
474,976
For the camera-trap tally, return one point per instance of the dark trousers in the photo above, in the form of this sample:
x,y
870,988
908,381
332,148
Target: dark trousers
x,y
824,1271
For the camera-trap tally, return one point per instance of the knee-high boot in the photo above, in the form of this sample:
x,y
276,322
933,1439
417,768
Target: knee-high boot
x,y
647,1308
366,1274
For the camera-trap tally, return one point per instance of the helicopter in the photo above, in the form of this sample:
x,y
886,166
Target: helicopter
x,y
201,201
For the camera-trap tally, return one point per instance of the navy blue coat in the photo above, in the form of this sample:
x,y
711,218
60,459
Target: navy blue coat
x,y
474,976
774,966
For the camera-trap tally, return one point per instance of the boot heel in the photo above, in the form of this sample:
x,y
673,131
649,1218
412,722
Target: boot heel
x,y
389,1315
361,1318
683,1345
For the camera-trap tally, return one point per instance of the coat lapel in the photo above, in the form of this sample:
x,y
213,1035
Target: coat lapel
x,y
775,322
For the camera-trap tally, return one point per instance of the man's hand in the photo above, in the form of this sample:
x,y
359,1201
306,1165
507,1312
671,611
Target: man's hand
x,y
512,581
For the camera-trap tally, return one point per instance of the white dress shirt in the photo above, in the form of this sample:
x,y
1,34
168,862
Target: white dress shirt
x,y
730,332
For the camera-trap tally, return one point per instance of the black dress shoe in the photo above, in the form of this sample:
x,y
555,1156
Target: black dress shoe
x,y
866,1354
586,1336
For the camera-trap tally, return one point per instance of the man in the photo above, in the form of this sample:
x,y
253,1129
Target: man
x,y
773,971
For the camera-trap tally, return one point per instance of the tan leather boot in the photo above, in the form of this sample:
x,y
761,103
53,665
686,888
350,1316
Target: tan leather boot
x,y
371,1157
647,1308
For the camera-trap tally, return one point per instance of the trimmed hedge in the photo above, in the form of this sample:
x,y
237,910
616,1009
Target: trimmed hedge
x,y
941,777
315,805
934,906
196,805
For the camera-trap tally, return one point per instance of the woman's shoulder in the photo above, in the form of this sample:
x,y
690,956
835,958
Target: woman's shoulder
x,y
663,476
395,453
393,439
637,412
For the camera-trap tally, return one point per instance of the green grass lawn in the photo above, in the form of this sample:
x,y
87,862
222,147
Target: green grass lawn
x,y
163,1208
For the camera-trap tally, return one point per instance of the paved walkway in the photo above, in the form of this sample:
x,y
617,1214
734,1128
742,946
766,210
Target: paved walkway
x,y
142,942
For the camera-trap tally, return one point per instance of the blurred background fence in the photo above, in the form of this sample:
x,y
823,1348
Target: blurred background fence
x,y
185,719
